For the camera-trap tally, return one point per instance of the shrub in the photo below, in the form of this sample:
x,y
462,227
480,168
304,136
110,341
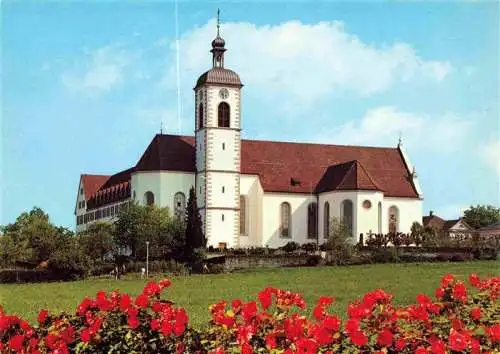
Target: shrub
x,y
313,260
290,246
309,247
459,320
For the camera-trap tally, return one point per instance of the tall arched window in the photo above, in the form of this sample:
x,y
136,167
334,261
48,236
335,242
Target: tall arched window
x,y
200,116
286,220
346,213
223,114
312,217
149,198
243,215
379,217
393,219
326,220
179,204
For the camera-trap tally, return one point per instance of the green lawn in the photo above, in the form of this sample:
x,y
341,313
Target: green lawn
x,y
197,292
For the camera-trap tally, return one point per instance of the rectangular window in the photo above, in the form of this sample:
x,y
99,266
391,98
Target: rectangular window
x,y
81,191
223,189
83,204
223,146
222,217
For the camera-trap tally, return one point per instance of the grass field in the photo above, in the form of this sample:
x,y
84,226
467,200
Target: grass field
x,y
197,292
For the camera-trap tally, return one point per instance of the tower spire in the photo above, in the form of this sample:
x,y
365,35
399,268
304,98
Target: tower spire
x,y
218,22
218,46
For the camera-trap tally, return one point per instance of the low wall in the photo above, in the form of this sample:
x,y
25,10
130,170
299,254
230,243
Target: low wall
x,y
233,263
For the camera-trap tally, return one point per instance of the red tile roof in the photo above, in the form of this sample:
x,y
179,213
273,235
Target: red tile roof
x,y
347,176
92,183
278,162
110,189
433,221
315,167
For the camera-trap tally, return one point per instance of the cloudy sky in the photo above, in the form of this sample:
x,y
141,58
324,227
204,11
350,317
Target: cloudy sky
x,y
86,85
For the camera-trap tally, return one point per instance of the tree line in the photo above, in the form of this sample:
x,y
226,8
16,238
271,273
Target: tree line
x,y
34,241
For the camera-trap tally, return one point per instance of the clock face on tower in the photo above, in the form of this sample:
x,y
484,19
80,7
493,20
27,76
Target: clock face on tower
x,y
223,93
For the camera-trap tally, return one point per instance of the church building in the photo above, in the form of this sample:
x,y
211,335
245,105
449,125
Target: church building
x,y
258,193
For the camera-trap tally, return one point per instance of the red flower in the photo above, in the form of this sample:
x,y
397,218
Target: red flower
x,y
385,338
400,344
246,349
155,324
236,304
152,289
249,310
457,341
125,302
459,292
16,342
142,301
446,280
164,283
133,322
271,341
85,335
439,293
331,323
359,338
474,280
68,334
42,316
423,299
476,313
475,346
266,297
421,350
494,333
438,346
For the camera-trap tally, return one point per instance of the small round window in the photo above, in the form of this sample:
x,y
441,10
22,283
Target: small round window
x,y
367,204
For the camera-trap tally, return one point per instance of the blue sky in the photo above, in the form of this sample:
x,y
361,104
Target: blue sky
x,y
86,85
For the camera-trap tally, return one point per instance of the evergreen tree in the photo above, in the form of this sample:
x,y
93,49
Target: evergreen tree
x,y
194,233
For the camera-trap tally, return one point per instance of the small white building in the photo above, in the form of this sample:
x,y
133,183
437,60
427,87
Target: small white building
x,y
258,193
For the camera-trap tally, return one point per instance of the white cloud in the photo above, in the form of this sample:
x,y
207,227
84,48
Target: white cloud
x,y
309,62
99,71
381,126
490,153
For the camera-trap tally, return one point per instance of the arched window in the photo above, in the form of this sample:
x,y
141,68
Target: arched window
x,y
149,198
346,213
223,115
286,220
179,204
379,217
243,215
326,220
200,116
393,219
312,217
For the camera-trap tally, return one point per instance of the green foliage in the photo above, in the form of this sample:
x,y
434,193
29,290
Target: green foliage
x,y
32,239
430,237
194,234
339,241
481,215
290,246
97,241
138,224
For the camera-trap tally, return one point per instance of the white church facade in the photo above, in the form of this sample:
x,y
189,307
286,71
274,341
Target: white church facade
x,y
258,193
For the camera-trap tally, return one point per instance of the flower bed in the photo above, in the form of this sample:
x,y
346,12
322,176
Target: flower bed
x,y
459,319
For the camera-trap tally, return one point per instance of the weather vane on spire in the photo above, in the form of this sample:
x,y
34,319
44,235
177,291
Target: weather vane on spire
x,y
218,21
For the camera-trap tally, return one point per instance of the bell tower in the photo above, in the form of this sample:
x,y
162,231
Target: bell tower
x,y
218,148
